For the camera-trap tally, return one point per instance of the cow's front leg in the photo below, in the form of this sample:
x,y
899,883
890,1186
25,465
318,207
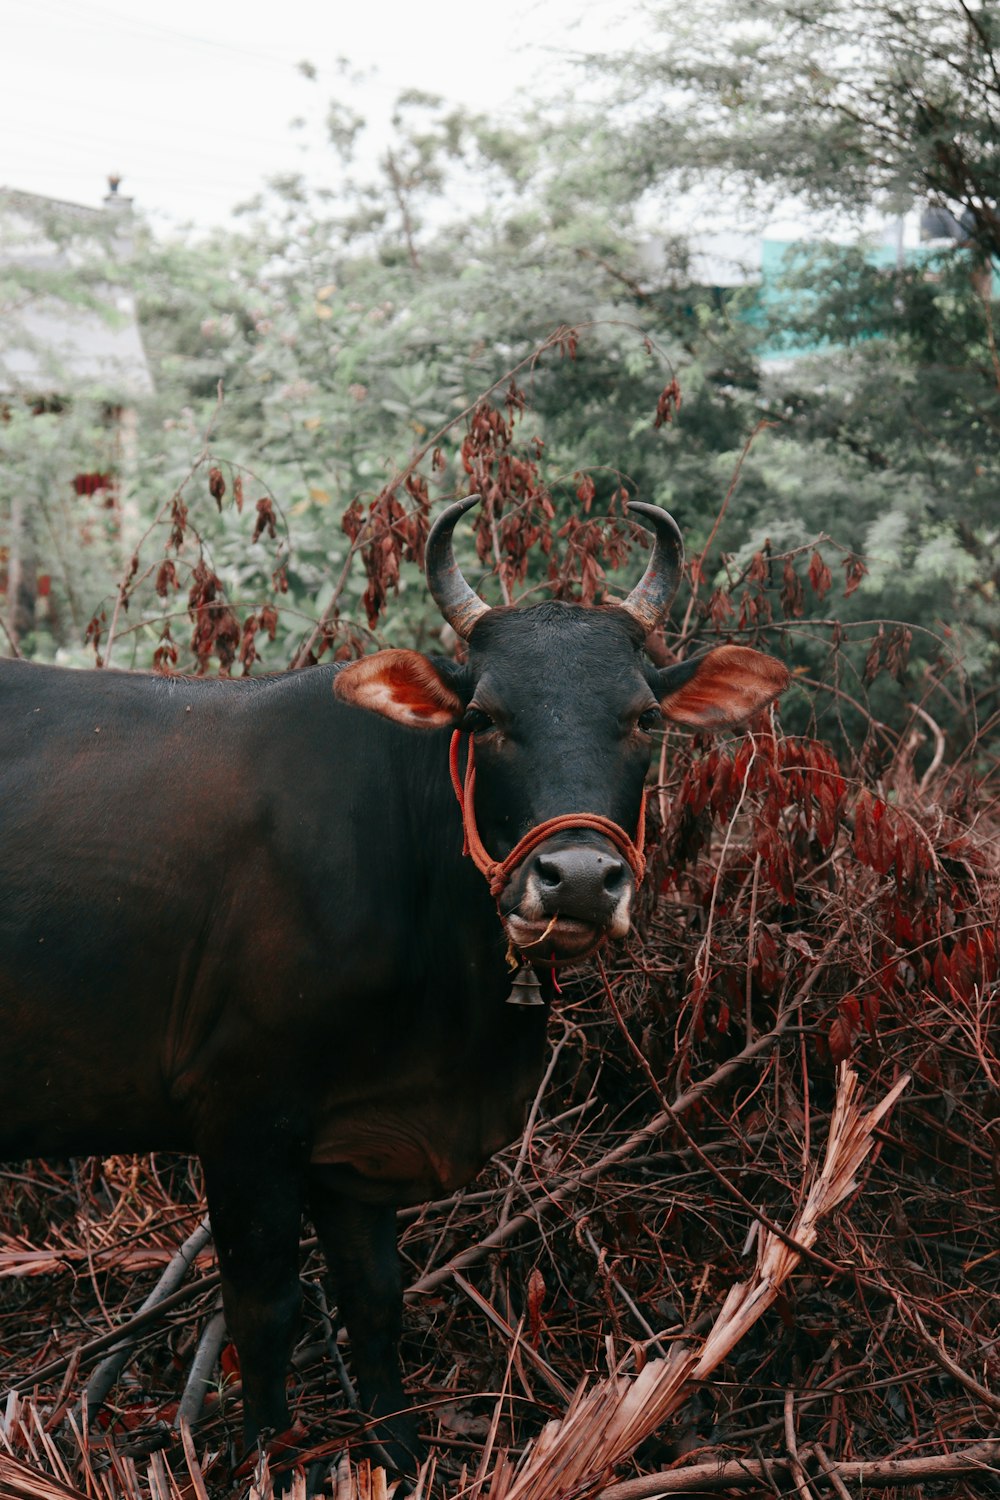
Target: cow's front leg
x,y
255,1202
359,1240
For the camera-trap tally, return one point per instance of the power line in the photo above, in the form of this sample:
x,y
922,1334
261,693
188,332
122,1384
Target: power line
x,y
154,30
71,139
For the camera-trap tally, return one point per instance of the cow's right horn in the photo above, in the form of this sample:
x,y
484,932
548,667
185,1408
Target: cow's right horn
x,y
460,604
652,595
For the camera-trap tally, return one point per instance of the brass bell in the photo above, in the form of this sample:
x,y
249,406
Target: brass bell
x,y
525,989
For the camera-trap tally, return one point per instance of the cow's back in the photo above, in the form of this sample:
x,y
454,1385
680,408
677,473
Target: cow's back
x,y
116,818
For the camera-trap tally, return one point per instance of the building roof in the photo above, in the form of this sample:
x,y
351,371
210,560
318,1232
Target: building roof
x,y
64,328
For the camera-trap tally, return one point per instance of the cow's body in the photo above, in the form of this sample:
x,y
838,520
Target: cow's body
x,y
226,897
235,918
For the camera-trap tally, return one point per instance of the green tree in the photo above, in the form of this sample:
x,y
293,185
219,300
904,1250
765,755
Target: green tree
x,y
70,367
837,103
329,354
352,331
855,108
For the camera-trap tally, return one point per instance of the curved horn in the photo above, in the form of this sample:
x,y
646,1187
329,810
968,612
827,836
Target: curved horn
x,y
652,595
460,605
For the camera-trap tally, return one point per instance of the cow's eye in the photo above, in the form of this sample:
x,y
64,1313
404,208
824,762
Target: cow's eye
x,y
476,721
650,719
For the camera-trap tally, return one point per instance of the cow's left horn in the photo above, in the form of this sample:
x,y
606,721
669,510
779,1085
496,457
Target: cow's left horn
x,y
460,605
652,595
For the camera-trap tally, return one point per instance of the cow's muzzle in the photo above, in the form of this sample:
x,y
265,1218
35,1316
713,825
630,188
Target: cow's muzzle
x,y
566,885
566,898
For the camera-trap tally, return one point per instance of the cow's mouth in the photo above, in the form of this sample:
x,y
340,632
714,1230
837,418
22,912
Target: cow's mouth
x,y
566,899
553,937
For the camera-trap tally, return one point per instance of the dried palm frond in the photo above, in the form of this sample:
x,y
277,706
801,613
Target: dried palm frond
x,y
573,1457
105,1474
75,1470
20,1481
848,1143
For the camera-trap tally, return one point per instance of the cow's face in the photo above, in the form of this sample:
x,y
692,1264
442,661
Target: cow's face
x,y
561,705
561,719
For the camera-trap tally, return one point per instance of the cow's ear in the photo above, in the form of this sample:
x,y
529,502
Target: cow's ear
x,y
401,685
724,687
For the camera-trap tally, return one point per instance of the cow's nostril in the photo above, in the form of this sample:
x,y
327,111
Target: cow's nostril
x,y
580,875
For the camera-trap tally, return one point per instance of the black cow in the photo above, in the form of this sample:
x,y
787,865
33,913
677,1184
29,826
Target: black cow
x,y
235,918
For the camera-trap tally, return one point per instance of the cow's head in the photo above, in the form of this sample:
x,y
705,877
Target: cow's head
x,y
561,705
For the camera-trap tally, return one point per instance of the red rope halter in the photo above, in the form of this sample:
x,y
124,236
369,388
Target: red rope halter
x,y
499,871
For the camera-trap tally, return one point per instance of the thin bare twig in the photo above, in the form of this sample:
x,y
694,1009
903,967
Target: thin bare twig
x,y
746,1473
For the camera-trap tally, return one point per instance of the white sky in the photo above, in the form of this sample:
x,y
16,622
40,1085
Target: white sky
x,y
191,102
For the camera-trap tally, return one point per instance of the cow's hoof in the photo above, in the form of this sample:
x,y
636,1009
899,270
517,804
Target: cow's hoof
x,y
282,1449
395,1444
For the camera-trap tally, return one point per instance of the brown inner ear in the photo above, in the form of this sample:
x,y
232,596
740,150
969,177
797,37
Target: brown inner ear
x,y
732,684
401,685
